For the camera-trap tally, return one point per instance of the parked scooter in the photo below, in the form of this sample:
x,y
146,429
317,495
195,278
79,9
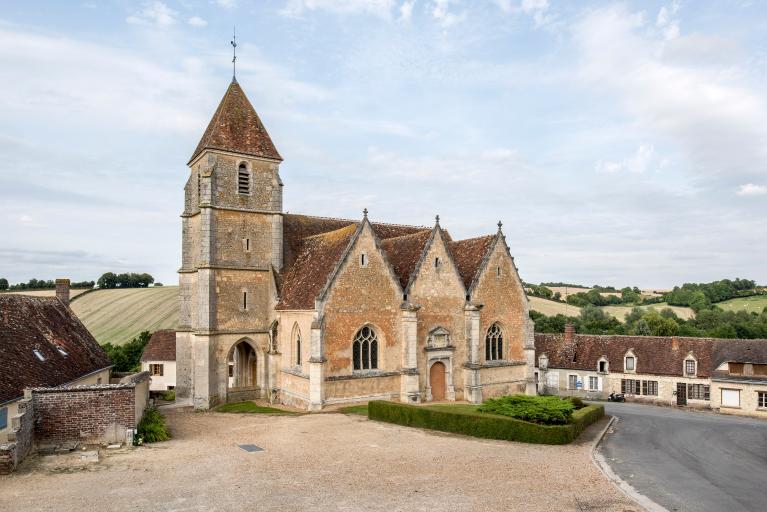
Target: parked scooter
x,y
616,397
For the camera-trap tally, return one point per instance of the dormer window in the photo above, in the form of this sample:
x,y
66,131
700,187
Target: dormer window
x,y
689,367
38,354
602,366
243,180
543,362
629,363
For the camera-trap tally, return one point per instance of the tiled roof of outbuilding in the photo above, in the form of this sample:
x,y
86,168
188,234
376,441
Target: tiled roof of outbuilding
x,y
739,351
46,325
656,355
468,255
161,346
236,127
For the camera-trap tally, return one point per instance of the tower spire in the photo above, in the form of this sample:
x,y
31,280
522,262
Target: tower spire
x,y
234,54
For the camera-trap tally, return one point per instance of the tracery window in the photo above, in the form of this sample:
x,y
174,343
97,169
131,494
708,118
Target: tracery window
x,y
494,343
365,349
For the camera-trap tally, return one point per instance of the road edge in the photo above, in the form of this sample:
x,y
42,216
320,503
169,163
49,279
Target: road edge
x,y
601,463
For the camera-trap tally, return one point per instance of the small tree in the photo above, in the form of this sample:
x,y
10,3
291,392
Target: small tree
x,y
3,283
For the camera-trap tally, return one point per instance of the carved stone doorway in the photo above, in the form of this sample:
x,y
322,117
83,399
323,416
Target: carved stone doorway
x,y
437,381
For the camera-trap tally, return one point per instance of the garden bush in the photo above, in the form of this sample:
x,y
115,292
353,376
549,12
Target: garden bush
x,y
169,395
545,410
470,421
152,428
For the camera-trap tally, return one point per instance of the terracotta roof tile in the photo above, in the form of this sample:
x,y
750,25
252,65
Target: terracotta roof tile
x,y
404,252
468,255
45,324
739,351
236,127
656,355
161,346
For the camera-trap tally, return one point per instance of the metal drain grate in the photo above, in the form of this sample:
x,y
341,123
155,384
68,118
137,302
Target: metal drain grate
x,y
250,448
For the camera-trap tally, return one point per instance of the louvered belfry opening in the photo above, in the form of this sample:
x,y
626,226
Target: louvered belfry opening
x,y
243,180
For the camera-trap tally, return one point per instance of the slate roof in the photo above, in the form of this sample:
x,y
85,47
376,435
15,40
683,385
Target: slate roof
x,y
656,355
161,346
313,246
43,323
236,127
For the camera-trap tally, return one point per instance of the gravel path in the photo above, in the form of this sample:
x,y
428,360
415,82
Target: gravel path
x,y
318,462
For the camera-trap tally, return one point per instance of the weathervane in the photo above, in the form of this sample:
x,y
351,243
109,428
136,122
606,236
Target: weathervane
x,y
234,53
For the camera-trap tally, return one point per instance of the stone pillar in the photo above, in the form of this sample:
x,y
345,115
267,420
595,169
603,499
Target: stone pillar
x,y
529,348
62,291
409,388
473,386
316,362
202,368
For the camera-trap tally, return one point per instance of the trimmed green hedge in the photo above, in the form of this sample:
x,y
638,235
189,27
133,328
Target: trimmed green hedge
x,y
481,424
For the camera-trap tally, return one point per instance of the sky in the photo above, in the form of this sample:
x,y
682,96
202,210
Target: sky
x,y
620,143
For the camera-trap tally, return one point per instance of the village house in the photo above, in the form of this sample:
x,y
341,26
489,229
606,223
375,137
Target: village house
x,y
314,311
728,375
159,359
43,344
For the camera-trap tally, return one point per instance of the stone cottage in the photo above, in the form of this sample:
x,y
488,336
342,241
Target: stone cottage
x,y
314,311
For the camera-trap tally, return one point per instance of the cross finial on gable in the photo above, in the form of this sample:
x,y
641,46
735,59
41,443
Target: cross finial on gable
x,y
436,219
365,213
500,225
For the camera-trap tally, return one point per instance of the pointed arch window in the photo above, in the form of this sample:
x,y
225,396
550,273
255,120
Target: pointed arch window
x,y
494,343
298,347
243,179
365,349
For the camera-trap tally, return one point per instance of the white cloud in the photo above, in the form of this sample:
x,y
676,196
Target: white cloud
x,y
667,22
641,161
379,8
446,18
154,13
196,21
708,112
226,4
406,11
749,189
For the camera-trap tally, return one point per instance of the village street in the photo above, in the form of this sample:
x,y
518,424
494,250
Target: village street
x,y
690,461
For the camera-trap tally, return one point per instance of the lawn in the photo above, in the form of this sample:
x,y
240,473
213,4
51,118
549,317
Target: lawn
x,y
355,409
249,408
755,304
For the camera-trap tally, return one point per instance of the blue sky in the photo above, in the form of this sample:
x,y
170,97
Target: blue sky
x,y
620,143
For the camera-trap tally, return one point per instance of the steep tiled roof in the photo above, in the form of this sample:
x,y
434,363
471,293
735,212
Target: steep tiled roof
x,y
236,127
43,324
468,255
656,355
403,252
315,259
739,351
161,346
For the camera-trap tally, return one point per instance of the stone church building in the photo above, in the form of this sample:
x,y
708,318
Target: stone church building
x,y
315,311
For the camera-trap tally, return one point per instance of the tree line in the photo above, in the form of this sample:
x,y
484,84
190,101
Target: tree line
x,y
125,280
713,322
40,284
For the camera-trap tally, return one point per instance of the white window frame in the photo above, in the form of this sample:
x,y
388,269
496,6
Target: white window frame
x,y
761,396
721,398
695,367
597,379
630,355
576,380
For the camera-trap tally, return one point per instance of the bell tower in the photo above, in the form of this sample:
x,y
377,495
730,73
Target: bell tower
x,y
231,248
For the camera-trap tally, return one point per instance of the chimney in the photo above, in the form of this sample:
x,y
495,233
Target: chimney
x,y
62,291
569,332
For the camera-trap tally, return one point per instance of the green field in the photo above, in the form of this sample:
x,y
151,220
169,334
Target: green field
x,y
116,316
620,312
755,304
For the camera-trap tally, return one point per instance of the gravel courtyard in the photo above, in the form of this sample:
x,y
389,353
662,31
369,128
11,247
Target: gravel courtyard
x,y
317,462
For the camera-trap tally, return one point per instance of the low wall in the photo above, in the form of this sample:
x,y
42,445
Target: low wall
x,y
20,439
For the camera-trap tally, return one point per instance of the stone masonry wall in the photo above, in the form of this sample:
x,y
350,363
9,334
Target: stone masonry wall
x,y
359,296
21,439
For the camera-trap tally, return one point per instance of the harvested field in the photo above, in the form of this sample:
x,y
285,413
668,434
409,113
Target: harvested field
x,y
340,462
620,312
116,316
47,293
551,307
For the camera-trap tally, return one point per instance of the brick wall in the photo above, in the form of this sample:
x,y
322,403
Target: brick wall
x,y
88,414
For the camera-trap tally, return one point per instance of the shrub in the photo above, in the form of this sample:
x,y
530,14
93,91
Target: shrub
x,y
577,402
545,410
152,428
169,395
469,421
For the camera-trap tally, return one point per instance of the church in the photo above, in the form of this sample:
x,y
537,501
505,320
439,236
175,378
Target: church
x,y
312,311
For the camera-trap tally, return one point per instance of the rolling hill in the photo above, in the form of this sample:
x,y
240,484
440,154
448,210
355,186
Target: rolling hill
x,y
754,304
115,316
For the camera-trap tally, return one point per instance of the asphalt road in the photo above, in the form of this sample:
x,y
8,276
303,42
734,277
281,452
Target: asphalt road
x,y
690,460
